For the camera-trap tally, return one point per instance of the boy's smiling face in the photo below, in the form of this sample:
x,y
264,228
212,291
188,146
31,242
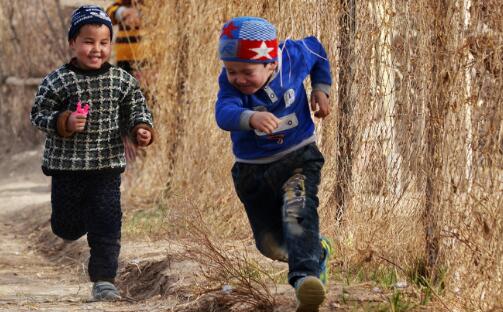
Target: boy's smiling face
x,y
92,46
248,78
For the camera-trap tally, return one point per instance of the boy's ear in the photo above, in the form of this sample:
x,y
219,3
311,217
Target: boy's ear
x,y
273,65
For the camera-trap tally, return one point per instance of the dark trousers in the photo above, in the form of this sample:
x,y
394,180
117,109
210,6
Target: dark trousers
x,y
90,204
281,201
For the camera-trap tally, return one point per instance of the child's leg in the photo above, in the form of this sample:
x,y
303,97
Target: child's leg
x,y
300,215
104,226
262,207
267,229
68,203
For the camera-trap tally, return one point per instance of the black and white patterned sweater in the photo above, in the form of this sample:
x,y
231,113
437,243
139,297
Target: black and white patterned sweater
x,y
117,106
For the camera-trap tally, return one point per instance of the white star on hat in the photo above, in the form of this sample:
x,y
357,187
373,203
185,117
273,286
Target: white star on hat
x,y
262,51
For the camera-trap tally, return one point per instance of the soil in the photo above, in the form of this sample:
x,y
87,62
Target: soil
x,y
39,271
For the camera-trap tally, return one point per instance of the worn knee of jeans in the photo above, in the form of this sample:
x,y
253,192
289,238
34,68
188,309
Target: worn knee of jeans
x,y
294,203
271,248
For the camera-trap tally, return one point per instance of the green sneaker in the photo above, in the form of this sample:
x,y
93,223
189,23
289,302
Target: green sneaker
x,y
310,294
326,252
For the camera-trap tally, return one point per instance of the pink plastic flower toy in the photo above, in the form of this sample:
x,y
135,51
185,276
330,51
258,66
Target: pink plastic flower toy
x,y
80,110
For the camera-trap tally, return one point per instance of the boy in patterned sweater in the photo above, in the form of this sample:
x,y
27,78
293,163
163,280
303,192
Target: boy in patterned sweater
x,y
263,103
83,107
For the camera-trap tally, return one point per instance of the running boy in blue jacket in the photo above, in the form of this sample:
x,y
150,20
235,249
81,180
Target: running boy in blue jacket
x,y
263,103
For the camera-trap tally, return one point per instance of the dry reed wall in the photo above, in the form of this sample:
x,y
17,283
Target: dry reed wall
x,y
33,36
424,127
413,148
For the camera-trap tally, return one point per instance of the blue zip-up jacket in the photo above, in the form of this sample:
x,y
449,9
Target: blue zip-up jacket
x,y
284,96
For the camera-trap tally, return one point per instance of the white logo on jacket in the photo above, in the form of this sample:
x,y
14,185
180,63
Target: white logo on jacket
x,y
289,97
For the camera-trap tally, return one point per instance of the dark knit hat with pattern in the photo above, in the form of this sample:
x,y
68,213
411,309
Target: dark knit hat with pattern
x,y
88,14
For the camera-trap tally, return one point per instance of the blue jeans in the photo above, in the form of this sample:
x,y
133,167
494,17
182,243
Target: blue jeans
x,y
281,202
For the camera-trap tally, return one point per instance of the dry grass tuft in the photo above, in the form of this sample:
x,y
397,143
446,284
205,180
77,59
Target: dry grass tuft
x,y
146,279
232,277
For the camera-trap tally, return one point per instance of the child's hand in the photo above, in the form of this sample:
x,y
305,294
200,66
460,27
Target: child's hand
x,y
320,104
264,121
143,137
77,120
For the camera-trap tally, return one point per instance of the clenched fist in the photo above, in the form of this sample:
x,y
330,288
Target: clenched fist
x,y
143,137
76,122
264,121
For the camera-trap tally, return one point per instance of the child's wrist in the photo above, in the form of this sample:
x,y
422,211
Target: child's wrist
x,y
325,88
63,128
245,120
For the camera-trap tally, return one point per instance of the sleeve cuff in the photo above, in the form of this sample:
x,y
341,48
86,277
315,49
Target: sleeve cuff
x,y
244,120
325,88
146,127
61,124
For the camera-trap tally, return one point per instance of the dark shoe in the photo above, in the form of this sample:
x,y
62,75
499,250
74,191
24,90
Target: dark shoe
x,y
105,291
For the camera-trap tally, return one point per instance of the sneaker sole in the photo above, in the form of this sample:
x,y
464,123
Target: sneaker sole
x,y
106,298
105,291
310,295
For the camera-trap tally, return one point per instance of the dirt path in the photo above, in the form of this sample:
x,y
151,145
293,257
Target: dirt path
x,y
26,278
54,279
39,272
